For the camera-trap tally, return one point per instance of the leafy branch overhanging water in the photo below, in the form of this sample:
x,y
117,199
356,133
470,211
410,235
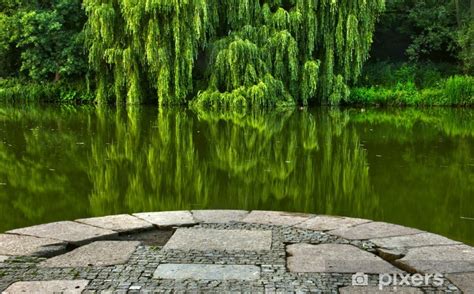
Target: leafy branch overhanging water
x,y
228,53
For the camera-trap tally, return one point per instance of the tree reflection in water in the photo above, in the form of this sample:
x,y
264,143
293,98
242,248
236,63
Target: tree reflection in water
x,y
413,167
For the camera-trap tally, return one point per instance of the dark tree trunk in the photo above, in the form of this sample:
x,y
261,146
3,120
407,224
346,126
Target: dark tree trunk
x,y
458,12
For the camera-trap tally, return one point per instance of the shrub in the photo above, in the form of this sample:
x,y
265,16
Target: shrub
x,y
385,74
14,90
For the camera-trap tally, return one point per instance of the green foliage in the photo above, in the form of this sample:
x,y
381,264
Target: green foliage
x,y
466,42
422,30
42,40
309,82
435,25
263,53
422,74
454,91
12,90
403,94
141,46
269,92
459,90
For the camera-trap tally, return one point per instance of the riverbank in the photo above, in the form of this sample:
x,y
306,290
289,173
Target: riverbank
x,y
23,91
257,251
455,91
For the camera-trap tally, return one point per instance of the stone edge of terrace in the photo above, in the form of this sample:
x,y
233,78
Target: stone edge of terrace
x,y
390,239
401,246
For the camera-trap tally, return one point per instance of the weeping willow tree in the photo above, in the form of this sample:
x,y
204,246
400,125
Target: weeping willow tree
x,y
228,52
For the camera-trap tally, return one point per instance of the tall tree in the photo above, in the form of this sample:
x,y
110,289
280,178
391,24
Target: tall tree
x,y
42,40
255,52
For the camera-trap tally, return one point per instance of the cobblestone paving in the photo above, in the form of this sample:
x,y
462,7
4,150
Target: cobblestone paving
x,y
137,274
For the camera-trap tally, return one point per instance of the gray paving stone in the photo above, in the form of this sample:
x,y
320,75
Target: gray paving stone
x,y
439,259
3,258
211,239
21,245
99,253
327,223
56,286
334,258
464,281
416,240
276,218
167,218
373,230
376,290
219,216
68,231
207,272
118,223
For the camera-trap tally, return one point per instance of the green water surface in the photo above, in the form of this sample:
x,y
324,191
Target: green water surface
x,y
413,167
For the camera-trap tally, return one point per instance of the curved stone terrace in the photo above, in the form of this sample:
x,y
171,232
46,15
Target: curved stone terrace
x,y
231,251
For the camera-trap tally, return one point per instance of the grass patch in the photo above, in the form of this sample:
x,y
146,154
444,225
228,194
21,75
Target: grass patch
x,y
453,91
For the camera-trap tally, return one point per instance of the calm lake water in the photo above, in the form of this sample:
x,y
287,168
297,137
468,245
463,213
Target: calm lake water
x,y
412,167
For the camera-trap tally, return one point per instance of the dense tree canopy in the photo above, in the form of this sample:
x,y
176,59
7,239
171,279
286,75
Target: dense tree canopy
x,y
426,30
230,52
42,40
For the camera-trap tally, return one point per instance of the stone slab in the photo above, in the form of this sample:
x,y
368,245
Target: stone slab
x,y
439,259
219,216
328,223
416,240
118,223
207,272
334,258
99,253
167,218
276,218
212,239
464,281
376,290
21,245
56,286
68,231
373,230
3,258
